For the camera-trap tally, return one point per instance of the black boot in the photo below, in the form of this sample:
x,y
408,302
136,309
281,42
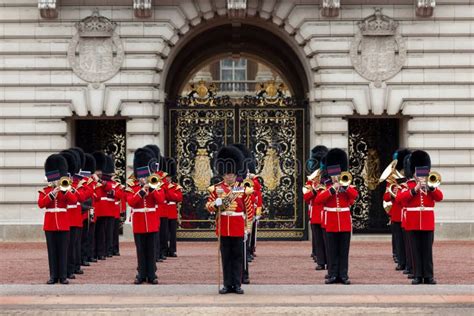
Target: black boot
x,y
429,281
320,267
416,281
64,281
238,290
331,280
400,268
224,290
52,281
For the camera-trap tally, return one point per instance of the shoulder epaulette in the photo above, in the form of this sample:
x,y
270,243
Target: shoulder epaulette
x,y
129,189
130,182
41,191
171,185
211,189
90,181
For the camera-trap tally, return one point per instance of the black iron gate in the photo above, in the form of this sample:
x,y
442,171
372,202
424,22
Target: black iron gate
x,y
274,131
371,145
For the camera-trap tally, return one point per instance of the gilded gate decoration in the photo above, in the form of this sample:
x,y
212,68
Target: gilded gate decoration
x,y
369,153
200,123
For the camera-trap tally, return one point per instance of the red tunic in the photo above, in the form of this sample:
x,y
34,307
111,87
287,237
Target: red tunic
x,y
89,185
55,217
419,207
232,222
258,197
143,212
395,212
337,208
105,196
173,196
315,209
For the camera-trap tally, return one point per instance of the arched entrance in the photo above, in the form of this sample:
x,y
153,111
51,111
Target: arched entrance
x,y
271,124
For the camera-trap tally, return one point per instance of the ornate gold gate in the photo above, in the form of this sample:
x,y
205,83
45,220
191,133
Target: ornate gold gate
x,y
273,128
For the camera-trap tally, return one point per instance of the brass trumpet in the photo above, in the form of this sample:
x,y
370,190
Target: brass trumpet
x,y
65,184
434,179
345,178
247,183
154,181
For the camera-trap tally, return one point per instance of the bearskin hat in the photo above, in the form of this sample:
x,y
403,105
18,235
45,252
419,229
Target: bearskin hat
x,y
400,156
316,156
419,158
170,166
155,149
55,167
249,159
89,163
337,156
229,159
72,163
141,162
406,167
99,160
82,158
109,167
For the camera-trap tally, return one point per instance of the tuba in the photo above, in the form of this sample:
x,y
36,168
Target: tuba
x,y
391,175
65,184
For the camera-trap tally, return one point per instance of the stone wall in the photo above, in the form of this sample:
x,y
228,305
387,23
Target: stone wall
x,y
39,92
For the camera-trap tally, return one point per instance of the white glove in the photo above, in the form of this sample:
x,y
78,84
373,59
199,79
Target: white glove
x,y
257,218
218,202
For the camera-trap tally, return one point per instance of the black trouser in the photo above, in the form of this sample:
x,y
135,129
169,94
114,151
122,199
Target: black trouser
x,y
339,244
163,236
74,250
313,240
422,248
394,246
326,247
318,244
399,243
157,246
245,262
57,242
253,241
115,244
85,241
92,241
408,250
104,235
231,253
145,244
172,229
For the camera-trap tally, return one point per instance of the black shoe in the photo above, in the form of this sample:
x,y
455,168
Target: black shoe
x,y
331,280
92,260
101,258
52,281
163,257
85,264
238,290
399,268
138,281
416,281
154,281
71,276
345,281
225,290
78,271
109,255
172,254
246,281
326,276
312,255
320,267
410,276
159,260
63,281
406,271
429,281
116,254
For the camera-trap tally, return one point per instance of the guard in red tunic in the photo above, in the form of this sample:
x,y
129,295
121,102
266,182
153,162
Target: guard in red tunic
x,y
337,200
419,199
174,195
231,201
315,211
407,234
143,198
54,200
395,211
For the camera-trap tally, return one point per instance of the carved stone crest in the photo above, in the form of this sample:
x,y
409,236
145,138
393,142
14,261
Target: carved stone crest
x,y
378,51
95,52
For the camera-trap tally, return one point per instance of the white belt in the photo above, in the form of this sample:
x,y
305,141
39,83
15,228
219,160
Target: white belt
x,y
117,202
107,199
231,213
56,210
336,209
72,206
419,208
143,210
171,203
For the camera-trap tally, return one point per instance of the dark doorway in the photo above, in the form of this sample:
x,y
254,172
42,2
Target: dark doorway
x,y
371,145
106,135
